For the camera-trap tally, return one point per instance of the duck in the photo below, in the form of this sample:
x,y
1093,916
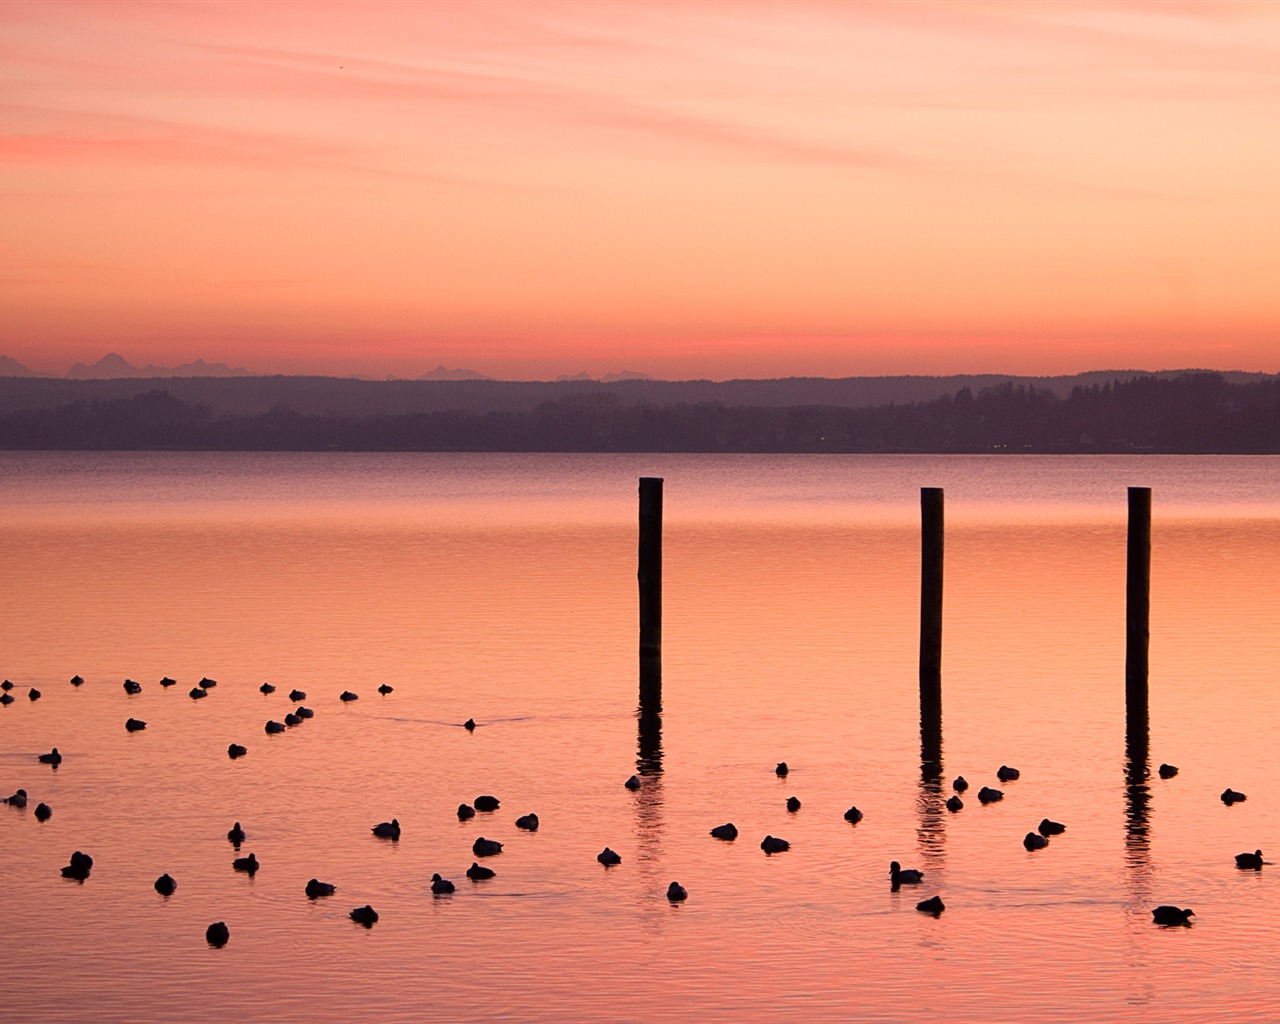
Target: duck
x,y
1050,828
1006,774
316,889
168,681
77,680
899,875
217,934
304,712
1035,841
1167,915
132,687
272,727
236,834
528,822
135,725
297,695
793,804
387,829
19,799
6,698
291,720
207,683
608,857
728,832
633,783
486,803
483,847
266,688
772,844
987,795
676,892
466,812
1167,771
236,750
853,815
346,696
195,693
469,725
1249,861
960,784
781,770
34,694
441,886
954,803
43,812
365,915
79,868
1230,796
384,689
477,873
933,905
247,864
6,686
165,885
53,757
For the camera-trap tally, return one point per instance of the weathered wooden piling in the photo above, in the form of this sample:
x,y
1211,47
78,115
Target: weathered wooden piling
x,y
650,572
1138,599
931,605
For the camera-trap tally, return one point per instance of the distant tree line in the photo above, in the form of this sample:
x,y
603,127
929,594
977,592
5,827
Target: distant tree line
x,y
1193,413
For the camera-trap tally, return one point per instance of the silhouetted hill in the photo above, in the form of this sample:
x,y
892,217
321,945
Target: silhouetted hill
x,y
13,368
114,366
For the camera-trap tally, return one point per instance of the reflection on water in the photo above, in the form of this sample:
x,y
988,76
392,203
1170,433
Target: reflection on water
x,y
791,633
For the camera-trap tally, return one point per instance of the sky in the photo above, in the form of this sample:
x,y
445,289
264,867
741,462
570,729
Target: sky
x,y
683,189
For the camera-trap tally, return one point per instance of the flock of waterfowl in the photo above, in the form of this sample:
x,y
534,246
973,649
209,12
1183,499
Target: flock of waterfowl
x,y
218,933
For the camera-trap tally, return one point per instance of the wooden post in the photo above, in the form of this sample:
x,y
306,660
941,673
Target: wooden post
x,y
650,572
1138,600
931,605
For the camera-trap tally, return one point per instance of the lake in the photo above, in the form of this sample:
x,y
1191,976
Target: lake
x,y
502,588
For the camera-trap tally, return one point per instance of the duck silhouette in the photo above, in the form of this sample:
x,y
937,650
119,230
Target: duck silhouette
x,y
248,864
384,689
477,873
272,727
441,886
466,811
469,725
132,687
933,905
217,934
853,815
165,885
297,695
1168,915
486,803
782,769
346,696
898,875
43,812
304,712
954,803
1168,771
196,693
365,915
1035,841
53,757
1249,861
793,804
633,783
316,889
483,847
168,681
1050,828
608,857
266,688
387,830
135,725
19,799
960,784
1230,796
235,834
1006,774
236,750
728,832
79,868
987,795
772,844
676,892
528,822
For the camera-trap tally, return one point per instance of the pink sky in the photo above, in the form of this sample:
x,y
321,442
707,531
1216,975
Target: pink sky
x,y
683,189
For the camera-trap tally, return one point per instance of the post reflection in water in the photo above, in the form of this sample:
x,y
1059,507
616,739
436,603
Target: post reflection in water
x,y
1137,771
649,823
930,801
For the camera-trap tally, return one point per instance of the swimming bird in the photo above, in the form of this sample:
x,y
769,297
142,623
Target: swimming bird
x,y
236,834
316,889
1172,915
168,681
853,815
132,687
1249,861
165,885
387,829
1230,796
271,727
1050,828
608,857
79,867
772,844
466,811
954,803
77,680
441,886
1006,774
1035,841
933,905
291,719
43,812
898,875
960,784
1168,771
782,769
297,695
266,688
478,874
633,783
19,799
195,693
469,725
304,712
236,750
207,683
365,915
6,685
676,892
987,795
6,698
728,832
135,725
486,803
247,864
33,694
793,804
217,934
53,757
483,847
528,822
384,689
347,696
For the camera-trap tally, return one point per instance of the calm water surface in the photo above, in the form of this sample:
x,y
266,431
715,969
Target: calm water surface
x,y
503,588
